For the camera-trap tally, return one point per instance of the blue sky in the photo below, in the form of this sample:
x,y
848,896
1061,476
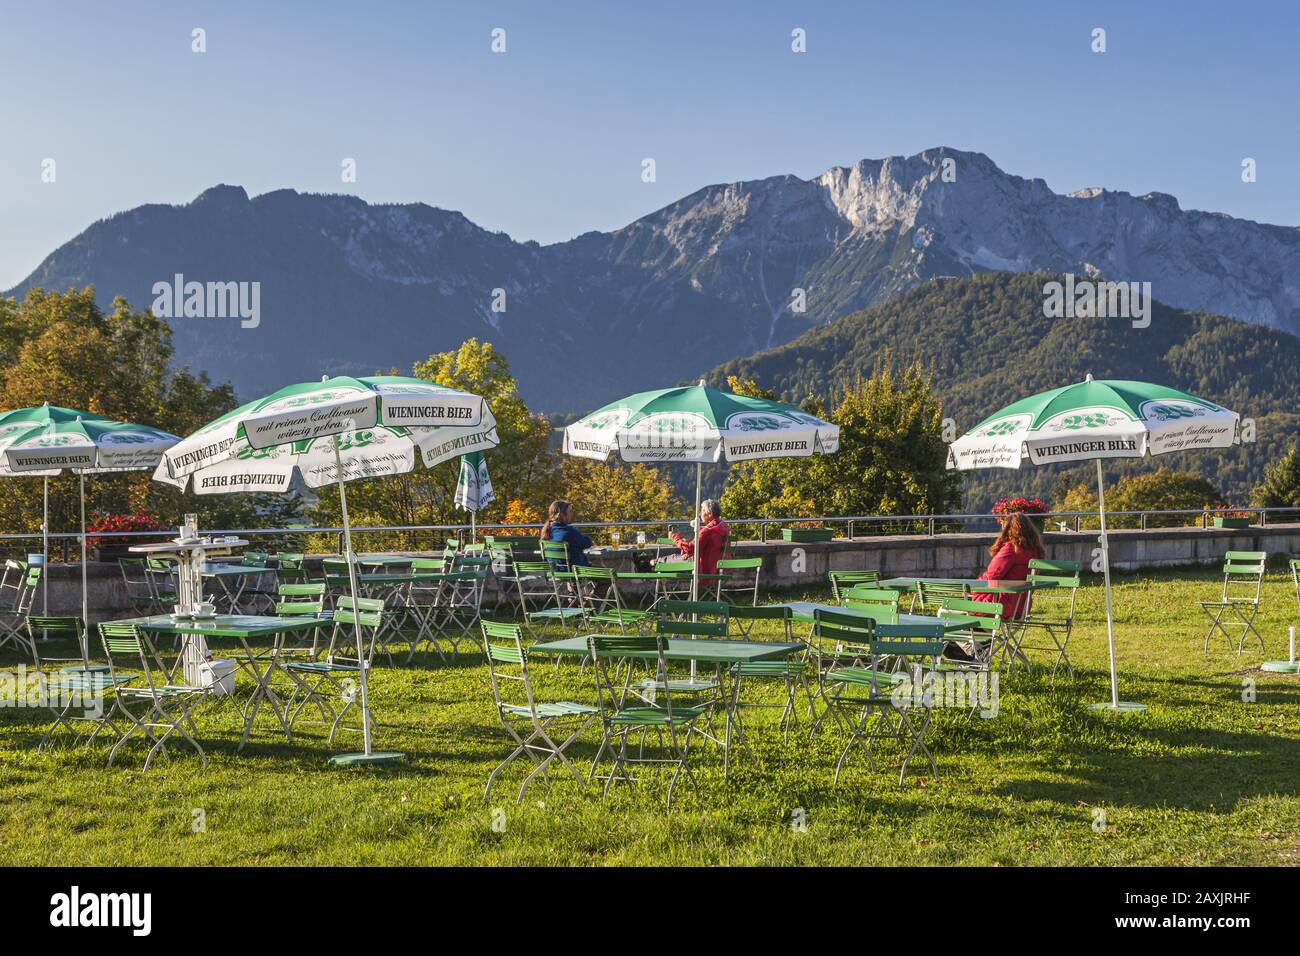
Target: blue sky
x,y
546,140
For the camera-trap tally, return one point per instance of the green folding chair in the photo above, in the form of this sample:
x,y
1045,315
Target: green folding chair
x,y
879,604
139,591
738,578
603,604
540,599
839,640
530,724
871,698
791,672
982,637
931,594
156,708
78,690
1239,600
847,579
306,599
13,619
689,620
324,683
678,586
671,720
1050,611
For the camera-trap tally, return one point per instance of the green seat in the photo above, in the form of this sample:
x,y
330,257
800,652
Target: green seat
x,y
619,718
1239,599
530,724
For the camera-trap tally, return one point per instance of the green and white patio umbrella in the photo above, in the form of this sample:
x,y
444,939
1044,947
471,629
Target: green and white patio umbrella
x,y
1091,421
702,425
45,440
474,487
330,432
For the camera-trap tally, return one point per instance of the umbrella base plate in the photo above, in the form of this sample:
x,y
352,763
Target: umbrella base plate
x,y
1281,667
364,759
1123,707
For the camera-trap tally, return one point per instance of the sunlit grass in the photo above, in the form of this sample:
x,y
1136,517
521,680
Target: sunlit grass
x,y
1204,776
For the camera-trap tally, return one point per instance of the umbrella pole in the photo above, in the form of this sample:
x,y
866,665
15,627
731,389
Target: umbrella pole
x,y
368,755
45,547
1114,703
695,570
85,594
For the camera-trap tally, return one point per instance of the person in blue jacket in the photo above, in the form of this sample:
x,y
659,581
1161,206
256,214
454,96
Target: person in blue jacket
x,y
559,527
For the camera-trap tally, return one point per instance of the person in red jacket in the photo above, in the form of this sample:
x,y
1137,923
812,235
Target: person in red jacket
x,y
712,538
1017,544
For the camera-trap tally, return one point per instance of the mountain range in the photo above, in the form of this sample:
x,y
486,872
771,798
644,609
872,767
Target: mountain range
x,y
987,343
732,269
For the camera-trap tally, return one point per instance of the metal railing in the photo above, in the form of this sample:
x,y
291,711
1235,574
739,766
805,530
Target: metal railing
x,y
430,537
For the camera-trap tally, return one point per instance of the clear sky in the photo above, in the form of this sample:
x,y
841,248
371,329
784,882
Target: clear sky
x,y
546,140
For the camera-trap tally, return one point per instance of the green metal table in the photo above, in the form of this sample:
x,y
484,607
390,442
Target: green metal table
x,y
722,654
228,574
242,628
976,585
803,611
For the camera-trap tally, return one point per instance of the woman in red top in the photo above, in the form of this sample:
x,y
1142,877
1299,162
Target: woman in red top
x,y
1017,544
712,537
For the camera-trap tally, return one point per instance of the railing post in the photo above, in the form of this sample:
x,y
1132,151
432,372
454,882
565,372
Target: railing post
x,y
850,529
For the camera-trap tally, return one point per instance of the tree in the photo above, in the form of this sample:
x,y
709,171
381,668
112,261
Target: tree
x,y
1281,485
62,348
891,461
1161,490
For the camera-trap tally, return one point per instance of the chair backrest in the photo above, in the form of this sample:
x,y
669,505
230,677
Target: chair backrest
x,y
607,650
300,599
1064,569
863,594
556,552
933,593
877,611
1243,570
126,644
907,640
747,616
255,559
349,612
133,573
507,660
842,579
60,626
692,618
985,616
1295,577
842,630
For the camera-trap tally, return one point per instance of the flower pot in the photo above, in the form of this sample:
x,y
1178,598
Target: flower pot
x,y
808,534
1232,522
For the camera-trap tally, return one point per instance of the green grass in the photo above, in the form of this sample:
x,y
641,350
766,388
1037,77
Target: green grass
x,y
1203,777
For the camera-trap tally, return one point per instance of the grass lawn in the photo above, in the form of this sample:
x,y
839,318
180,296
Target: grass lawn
x,y
1203,777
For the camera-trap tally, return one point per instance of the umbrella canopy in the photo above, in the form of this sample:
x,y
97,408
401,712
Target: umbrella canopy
x,y
1093,420
378,425
45,440
698,424
330,432
474,486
